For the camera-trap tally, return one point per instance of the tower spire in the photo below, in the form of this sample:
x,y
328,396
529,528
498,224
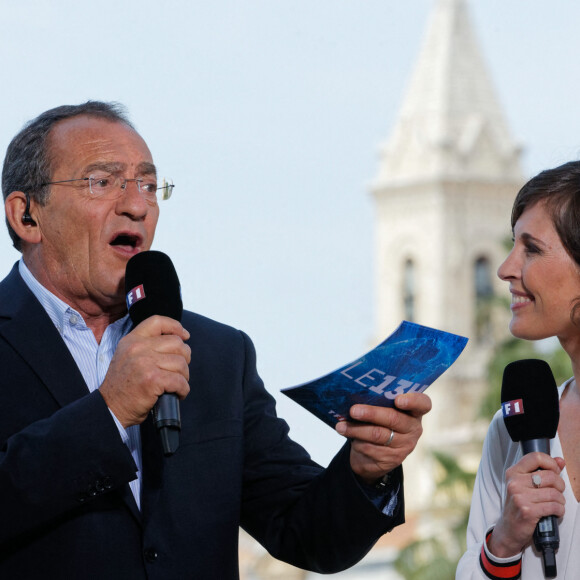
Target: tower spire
x,y
450,125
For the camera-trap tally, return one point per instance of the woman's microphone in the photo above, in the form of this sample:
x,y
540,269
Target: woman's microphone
x,y
531,411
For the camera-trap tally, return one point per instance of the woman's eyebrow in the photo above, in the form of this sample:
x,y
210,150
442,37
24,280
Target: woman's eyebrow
x,y
527,238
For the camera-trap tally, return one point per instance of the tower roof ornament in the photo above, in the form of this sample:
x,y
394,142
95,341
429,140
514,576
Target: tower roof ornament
x,y
450,125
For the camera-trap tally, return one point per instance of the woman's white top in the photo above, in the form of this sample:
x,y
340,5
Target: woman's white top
x,y
489,493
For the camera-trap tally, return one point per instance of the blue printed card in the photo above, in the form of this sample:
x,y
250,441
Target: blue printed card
x,y
408,360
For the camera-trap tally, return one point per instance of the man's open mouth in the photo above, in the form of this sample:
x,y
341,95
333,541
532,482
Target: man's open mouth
x,y
126,240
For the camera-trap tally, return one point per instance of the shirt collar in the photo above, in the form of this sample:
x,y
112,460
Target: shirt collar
x,y
58,311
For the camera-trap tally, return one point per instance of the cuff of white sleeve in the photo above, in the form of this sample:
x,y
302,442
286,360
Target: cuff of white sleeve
x,y
499,568
122,432
384,494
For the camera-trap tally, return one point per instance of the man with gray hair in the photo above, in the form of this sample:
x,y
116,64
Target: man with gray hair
x,y
85,489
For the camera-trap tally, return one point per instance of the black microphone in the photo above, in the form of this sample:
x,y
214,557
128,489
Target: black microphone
x,y
152,287
531,411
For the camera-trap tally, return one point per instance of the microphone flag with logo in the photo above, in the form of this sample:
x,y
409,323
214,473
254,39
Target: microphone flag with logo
x,y
531,412
152,287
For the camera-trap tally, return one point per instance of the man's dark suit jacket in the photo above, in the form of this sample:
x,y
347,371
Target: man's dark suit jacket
x,y
66,510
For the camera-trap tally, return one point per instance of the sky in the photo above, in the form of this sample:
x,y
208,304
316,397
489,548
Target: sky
x,y
268,115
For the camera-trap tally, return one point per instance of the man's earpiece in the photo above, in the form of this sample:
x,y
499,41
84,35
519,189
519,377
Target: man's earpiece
x,y
26,217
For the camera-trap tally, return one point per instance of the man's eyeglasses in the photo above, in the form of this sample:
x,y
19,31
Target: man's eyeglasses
x,y
111,186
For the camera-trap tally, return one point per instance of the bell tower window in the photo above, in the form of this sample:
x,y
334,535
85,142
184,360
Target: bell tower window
x,y
483,299
409,290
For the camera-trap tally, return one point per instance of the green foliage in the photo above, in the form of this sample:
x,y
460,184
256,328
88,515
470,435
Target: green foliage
x,y
455,478
425,560
436,558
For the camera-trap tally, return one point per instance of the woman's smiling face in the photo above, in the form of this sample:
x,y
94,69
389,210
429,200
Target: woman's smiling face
x,y
544,280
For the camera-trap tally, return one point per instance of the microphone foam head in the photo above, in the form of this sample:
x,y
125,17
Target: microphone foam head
x,y
529,400
152,287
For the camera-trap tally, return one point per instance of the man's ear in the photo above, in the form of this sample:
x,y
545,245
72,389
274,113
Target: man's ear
x,y
20,210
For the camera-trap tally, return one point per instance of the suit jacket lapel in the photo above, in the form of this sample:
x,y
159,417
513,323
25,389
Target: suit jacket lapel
x,y
28,328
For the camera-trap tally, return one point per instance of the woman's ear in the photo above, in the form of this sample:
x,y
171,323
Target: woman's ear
x,y
20,210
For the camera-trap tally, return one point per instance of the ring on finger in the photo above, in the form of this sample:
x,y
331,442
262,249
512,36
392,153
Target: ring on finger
x,y
390,440
536,480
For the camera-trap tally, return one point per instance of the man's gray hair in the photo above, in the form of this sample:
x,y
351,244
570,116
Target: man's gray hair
x,y
27,165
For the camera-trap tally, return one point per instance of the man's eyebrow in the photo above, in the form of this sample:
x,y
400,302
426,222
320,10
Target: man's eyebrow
x,y
109,167
144,168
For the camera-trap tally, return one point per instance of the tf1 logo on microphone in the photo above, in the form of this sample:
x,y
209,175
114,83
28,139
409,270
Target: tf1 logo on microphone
x,y
511,408
135,294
